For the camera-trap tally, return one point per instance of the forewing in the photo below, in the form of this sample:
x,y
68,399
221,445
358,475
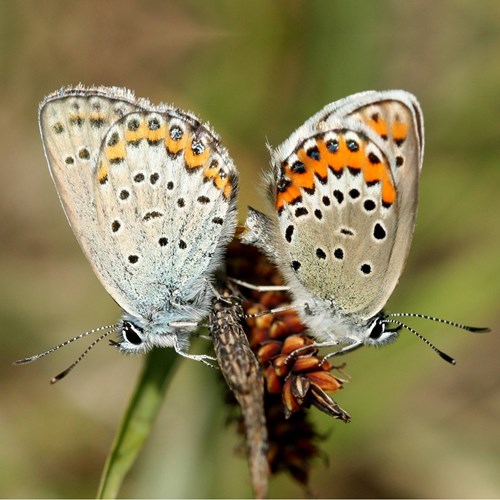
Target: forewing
x,y
73,123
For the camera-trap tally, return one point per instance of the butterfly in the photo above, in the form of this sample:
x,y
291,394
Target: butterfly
x,y
150,194
343,190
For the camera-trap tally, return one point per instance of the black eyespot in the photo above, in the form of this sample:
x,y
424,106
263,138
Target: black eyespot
x,y
133,125
69,160
399,161
153,124
318,214
115,225
374,159
339,196
369,205
379,232
298,167
96,121
197,147
170,185
181,203
84,154
313,153
153,178
77,120
300,211
296,265
338,253
283,184
332,145
352,146
320,253
133,259
182,244
354,193
138,177
163,241
176,133
326,201
366,268
289,233
114,139
124,194
153,214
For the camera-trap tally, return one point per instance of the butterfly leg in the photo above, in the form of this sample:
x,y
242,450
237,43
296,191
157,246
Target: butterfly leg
x,y
319,345
271,311
260,288
204,358
315,345
343,350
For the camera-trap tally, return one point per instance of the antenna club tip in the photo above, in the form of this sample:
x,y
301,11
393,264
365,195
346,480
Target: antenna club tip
x,y
24,361
55,379
447,358
478,329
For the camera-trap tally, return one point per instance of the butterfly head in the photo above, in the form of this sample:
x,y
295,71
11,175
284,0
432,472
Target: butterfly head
x,y
132,338
327,321
378,333
139,335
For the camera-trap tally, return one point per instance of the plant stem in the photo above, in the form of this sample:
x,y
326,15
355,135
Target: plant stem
x,y
138,420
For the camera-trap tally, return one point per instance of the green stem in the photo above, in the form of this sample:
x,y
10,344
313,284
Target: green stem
x,y
138,420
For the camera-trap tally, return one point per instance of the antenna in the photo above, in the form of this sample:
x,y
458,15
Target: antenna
x,y
109,329
445,356
61,375
30,359
474,329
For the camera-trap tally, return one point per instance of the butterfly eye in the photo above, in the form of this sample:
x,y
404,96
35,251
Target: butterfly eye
x,y
131,333
377,330
379,333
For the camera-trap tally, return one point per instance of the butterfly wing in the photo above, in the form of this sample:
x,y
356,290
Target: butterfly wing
x,y
344,187
73,122
165,196
109,156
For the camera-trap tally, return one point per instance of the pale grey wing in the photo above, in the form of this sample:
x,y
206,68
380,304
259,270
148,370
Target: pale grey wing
x,y
397,119
165,196
328,117
346,199
73,123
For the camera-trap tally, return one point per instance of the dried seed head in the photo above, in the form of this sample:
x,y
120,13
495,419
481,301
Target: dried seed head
x,y
294,381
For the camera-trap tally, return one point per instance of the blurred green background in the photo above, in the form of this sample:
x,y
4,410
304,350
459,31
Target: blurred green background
x,y
256,70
